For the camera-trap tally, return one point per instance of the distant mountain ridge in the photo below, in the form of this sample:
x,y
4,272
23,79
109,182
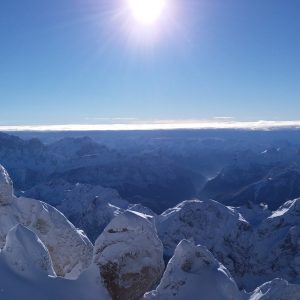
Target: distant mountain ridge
x,y
37,243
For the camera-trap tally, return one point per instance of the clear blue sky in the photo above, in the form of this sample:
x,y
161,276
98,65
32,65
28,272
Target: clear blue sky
x,y
74,61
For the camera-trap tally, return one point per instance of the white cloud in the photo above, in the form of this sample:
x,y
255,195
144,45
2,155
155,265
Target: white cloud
x,y
161,124
108,119
223,118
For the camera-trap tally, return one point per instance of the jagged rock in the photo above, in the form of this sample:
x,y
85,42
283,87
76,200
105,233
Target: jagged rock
x,y
88,207
221,229
194,273
276,246
129,256
253,254
6,188
51,226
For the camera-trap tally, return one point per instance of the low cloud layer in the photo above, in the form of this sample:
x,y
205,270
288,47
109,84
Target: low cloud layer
x,y
166,125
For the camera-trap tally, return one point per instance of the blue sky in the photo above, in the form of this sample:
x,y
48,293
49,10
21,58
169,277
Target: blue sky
x,y
77,61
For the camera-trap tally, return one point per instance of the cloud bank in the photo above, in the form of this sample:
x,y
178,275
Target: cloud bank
x,y
161,125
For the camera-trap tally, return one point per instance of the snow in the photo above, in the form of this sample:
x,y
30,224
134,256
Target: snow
x,y
25,265
26,254
51,226
277,289
6,188
206,222
288,208
129,255
46,257
88,207
194,271
253,254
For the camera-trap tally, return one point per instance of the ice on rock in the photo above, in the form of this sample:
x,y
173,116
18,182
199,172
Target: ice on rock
x,y
129,255
194,273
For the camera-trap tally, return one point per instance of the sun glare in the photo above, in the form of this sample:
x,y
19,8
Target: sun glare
x,y
147,12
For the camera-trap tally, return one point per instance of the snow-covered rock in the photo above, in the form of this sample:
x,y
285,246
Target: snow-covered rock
x,y
70,250
88,207
25,266
254,214
142,209
25,253
194,273
6,187
221,229
277,289
129,255
276,246
253,253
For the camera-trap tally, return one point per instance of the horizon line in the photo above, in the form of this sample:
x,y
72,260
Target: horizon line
x,y
159,125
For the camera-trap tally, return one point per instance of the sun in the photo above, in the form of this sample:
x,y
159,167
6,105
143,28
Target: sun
x,y
147,12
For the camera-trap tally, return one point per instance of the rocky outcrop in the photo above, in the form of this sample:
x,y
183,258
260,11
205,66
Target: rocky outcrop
x,y
194,273
129,255
221,229
6,188
26,254
89,207
276,246
25,266
277,289
253,254
52,228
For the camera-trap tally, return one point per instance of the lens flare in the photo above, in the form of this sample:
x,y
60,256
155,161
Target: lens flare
x,y
147,12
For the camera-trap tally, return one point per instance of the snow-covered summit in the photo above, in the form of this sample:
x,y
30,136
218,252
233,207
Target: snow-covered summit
x,y
208,223
253,254
192,271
